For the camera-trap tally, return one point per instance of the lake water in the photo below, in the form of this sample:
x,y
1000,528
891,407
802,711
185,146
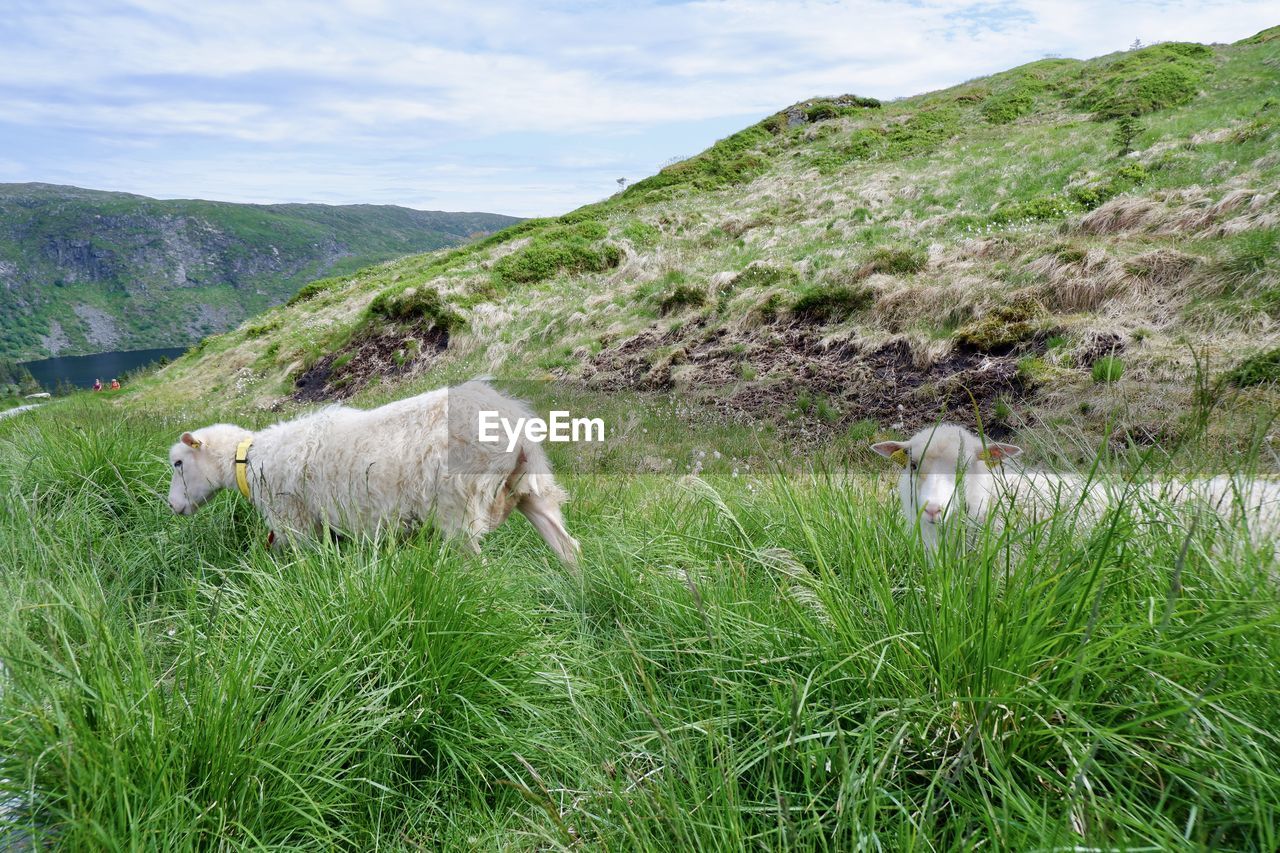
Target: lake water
x,y
81,370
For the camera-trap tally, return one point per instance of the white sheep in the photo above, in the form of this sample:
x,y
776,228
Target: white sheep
x,y
948,472
359,472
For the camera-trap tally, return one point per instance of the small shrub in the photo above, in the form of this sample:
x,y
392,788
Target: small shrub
x,y
415,303
575,249
831,302
1261,369
257,330
1107,369
1069,254
1040,207
1032,369
921,133
1006,106
1011,323
730,161
829,108
682,296
641,233
1127,130
1119,180
898,260
310,291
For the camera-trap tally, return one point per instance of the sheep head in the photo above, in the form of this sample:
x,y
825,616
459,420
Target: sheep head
x,y
946,471
202,464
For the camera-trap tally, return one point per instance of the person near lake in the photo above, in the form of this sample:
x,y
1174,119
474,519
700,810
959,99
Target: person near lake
x,y
115,384
97,384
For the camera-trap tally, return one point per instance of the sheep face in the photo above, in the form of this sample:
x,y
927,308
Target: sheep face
x,y
945,473
194,475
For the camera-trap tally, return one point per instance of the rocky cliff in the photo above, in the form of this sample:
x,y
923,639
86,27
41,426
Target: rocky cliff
x,y
84,271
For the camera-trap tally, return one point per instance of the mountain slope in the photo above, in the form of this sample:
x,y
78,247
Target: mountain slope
x,y
1067,242
85,271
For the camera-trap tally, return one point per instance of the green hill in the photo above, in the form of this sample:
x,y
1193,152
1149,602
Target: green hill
x,y
87,271
755,653
990,242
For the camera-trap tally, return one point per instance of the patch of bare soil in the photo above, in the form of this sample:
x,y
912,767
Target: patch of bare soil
x,y
391,351
787,375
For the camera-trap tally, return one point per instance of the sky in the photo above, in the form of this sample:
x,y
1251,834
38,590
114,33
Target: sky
x,y
525,108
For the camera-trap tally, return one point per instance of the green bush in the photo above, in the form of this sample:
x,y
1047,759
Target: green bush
x,y
898,260
1107,369
829,108
1118,180
682,296
641,233
830,303
730,161
262,327
416,303
575,249
1143,81
310,291
1004,107
1040,207
1261,369
921,133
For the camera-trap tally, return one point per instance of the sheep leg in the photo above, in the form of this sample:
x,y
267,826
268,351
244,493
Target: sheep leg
x,y
543,513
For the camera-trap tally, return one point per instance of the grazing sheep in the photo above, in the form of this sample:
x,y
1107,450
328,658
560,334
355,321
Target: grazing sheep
x,y
398,466
947,471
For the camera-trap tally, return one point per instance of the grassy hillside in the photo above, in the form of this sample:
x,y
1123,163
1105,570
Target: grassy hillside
x,y
996,239
755,653
86,271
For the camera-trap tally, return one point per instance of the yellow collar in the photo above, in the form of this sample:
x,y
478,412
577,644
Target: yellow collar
x,y
242,467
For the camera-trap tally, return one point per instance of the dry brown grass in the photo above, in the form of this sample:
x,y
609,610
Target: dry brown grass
x,y
902,305
1186,212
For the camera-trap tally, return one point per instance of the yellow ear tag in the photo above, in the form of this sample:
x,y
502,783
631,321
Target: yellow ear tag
x,y
196,444
899,456
988,457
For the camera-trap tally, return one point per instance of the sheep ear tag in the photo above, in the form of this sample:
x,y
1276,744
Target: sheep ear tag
x,y
990,457
899,456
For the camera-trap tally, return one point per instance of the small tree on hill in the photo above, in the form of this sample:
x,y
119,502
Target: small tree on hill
x,y
1127,130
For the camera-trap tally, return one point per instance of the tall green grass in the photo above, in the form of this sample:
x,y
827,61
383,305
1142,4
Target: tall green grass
x,y
765,662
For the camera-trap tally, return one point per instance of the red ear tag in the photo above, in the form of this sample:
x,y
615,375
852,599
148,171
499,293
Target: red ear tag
x,y
271,538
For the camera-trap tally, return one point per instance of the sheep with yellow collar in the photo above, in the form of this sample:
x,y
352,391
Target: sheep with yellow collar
x,y
361,472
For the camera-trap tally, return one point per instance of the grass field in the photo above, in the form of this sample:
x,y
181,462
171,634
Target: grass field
x,y
761,661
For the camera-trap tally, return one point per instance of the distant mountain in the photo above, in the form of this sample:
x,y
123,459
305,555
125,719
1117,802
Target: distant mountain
x,y
86,271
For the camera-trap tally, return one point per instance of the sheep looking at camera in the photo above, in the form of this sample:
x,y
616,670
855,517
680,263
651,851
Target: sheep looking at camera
x,y
948,472
359,472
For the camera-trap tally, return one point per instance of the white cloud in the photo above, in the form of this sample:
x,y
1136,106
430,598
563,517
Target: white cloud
x,y
354,75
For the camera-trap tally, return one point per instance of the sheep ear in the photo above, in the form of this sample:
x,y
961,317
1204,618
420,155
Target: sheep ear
x,y
191,441
995,453
895,450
